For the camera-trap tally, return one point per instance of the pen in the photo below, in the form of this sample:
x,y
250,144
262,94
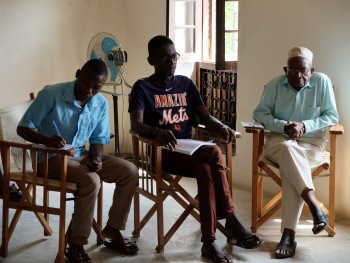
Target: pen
x,y
55,126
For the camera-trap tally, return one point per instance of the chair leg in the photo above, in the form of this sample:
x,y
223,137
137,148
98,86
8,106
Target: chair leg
x,y
255,201
97,226
137,228
27,197
160,225
5,230
98,231
330,229
61,229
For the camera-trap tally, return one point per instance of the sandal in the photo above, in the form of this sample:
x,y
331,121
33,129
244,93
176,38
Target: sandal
x,y
118,242
15,193
240,236
77,254
249,242
123,245
210,250
320,221
287,245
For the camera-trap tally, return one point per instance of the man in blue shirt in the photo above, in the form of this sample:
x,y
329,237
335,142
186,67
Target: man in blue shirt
x,y
76,113
296,108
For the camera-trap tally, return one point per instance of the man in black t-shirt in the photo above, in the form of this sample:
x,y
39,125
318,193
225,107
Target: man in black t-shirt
x,y
165,106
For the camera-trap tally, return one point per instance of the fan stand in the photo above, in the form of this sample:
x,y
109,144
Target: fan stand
x,y
115,96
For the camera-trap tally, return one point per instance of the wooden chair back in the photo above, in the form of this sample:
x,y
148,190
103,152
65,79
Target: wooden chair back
x,y
263,209
35,190
156,185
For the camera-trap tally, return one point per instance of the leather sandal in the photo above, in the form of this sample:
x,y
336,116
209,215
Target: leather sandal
x,y
320,221
77,254
240,236
123,245
249,242
285,248
212,252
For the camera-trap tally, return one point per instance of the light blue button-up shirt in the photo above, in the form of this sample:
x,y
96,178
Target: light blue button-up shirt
x,y
314,105
76,125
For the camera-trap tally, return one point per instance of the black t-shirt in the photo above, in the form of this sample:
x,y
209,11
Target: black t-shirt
x,y
167,105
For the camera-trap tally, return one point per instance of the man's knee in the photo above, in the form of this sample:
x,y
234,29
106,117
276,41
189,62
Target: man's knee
x,y
94,182
212,153
202,171
282,147
123,172
134,173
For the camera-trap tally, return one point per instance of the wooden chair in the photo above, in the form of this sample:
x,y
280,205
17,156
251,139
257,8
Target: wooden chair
x,y
35,189
156,185
262,168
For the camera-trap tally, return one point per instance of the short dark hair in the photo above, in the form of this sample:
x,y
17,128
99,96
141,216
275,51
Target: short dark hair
x,y
156,42
97,66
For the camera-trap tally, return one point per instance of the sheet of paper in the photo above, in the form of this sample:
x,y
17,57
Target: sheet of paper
x,y
247,124
189,146
67,147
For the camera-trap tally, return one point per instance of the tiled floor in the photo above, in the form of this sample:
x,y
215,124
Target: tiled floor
x,y
29,245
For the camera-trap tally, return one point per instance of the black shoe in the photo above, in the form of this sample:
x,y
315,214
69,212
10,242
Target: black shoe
x,y
15,193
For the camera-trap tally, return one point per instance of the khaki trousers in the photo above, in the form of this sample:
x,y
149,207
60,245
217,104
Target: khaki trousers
x,y
115,170
295,159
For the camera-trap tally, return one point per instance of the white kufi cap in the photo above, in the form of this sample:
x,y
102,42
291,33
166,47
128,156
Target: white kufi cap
x,y
300,52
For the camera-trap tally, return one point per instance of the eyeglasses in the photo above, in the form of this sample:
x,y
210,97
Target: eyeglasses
x,y
293,72
167,58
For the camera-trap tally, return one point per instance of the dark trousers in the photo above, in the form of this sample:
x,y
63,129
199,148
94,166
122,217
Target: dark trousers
x,y
206,165
1,181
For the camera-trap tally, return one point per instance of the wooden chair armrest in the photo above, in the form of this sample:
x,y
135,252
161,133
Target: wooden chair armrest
x,y
337,129
10,143
45,149
36,147
254,130
147,140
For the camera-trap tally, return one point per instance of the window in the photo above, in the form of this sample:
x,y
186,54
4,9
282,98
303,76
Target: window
x,y
231,30
185,27
204,30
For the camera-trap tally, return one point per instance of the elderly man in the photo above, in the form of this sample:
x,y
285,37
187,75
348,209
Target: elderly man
x,y
296,108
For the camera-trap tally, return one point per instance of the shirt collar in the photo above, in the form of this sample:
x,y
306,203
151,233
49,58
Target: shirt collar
x,y
310,84
69,96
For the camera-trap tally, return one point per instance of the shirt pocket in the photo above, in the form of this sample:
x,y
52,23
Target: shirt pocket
x,y
311,112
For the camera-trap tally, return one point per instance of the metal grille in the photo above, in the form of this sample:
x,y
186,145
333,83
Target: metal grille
x,y
218,89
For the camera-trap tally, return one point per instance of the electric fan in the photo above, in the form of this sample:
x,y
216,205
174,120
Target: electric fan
x,y
106,47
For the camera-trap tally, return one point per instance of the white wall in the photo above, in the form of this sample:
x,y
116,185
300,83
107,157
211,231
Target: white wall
x,y
143,20
46,41
268,29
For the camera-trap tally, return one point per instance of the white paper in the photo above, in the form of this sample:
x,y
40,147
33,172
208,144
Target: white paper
x,y
189,146
247,124
67,147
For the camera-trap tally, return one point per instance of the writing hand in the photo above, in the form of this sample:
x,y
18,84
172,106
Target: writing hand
x,y
56,141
